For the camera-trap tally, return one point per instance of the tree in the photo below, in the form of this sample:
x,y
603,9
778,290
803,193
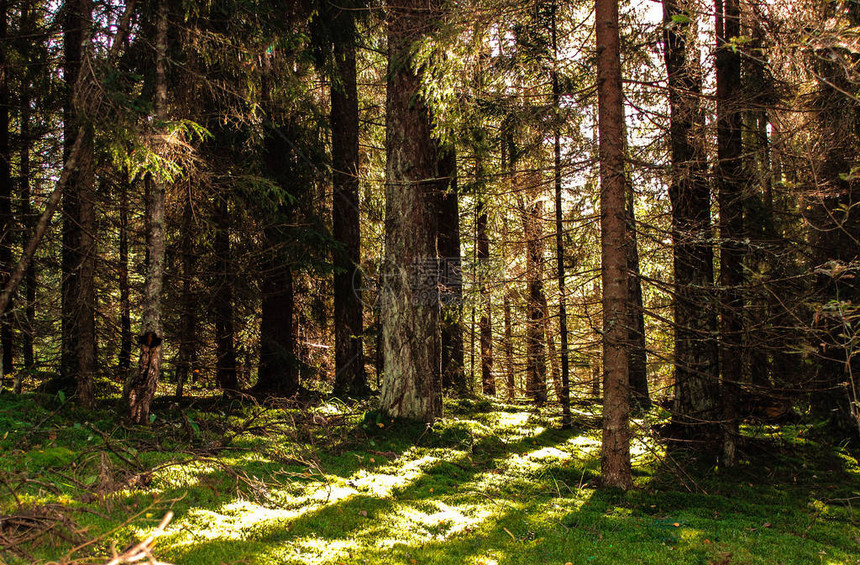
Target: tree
x,y
142,388
697,392
615,454
730,196
78,363
410,302
350,378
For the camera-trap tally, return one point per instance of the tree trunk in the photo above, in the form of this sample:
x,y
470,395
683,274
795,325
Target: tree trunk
x,y
730,195
482,254
142,389
509,351
278,373
188,341
535,346
615,454
350,378
6,219
225,363
696,404
559,233
450,271
78,258
410,301
27,220
638,360
124,291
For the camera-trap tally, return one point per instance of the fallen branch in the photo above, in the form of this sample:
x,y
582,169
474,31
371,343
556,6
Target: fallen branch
x,y
143,550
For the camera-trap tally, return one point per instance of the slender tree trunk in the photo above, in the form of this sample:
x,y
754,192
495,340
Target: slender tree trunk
x,y
225,363
350,378
6,219
188,343
559,234
124,293
488,382
28,222
730,195
450,269
509,350
552,354
278,373
638,365
615,455
697,395
410,301
142,389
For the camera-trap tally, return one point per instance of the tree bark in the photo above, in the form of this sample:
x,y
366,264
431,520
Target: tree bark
x,y
410,302
615,454
535,335
488,382
350,378
142,389
78,258
30,281
225,363
451,274
730,195
188,342
124,291
696,403
6,218
638,360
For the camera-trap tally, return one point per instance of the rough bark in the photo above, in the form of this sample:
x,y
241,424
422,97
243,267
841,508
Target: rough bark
x,y
559,233
638,357
124,291
535,335
350,378
730,196
488,382
277,374
696,403
6,218
410,302
142,388
225,348
28,221
78,257
188,340
615,453
451,275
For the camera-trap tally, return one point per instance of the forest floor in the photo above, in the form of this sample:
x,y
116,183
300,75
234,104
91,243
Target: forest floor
x,y
491,483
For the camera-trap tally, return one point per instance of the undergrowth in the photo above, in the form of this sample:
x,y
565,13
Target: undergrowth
x,y
491,483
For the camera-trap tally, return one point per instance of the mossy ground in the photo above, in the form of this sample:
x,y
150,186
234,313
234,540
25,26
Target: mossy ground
x,y
491,483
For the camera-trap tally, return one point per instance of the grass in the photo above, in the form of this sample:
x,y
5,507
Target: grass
x,y
491,483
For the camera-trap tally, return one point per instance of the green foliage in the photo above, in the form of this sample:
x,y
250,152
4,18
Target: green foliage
x,y
274,485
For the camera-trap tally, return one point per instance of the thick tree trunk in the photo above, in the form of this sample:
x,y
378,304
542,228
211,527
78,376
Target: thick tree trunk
x,y
410,301
451,274
615,454
697,395
535,346
730,195
142,388
350,378
277,374
78,258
